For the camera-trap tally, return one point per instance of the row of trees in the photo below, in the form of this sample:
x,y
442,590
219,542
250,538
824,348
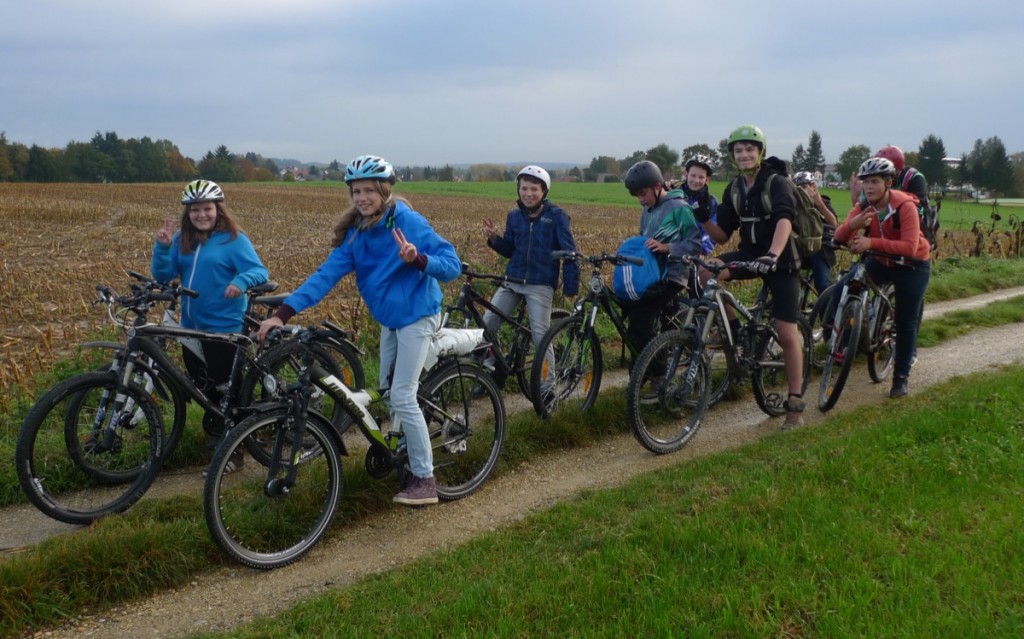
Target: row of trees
x,y
109,158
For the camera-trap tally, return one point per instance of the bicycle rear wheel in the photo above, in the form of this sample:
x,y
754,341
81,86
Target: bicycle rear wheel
x,y
842,351
882,353
668,392
576,379
466,420
254,513
770,381
70,466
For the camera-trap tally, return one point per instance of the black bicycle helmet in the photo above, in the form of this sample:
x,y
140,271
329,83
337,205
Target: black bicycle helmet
x,y
642,175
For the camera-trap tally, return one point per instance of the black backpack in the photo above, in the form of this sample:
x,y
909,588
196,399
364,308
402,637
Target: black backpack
x,y
808,226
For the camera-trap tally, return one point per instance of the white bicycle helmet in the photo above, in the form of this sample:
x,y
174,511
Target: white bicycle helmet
x,y
537,173
876,166
369,167
804,177
700,160
198,191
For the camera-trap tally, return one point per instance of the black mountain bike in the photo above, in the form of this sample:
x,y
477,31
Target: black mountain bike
x,y
671,384
512,352
575,344
94,443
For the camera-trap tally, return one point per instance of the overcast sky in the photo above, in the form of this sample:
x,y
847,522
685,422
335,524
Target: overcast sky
x,y
452,81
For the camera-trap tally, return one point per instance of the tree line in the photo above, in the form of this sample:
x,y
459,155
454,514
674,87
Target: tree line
x,y
110,158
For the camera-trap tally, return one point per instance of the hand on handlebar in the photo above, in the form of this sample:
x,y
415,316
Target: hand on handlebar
x,y
266,326
764,264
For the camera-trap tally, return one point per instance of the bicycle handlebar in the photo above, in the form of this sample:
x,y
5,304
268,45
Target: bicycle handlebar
x,y
901,260
490,276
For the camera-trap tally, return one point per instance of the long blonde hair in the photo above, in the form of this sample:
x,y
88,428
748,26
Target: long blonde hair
x,y
351,217
190,235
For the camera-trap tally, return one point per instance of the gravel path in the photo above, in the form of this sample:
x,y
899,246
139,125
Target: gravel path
x,y
226,597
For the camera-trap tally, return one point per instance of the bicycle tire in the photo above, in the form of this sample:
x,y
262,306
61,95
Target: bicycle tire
x,y
819,340
843,350
466,419
61,467
523,365
769,380
668,393
170,400
578,368
882,353
247,513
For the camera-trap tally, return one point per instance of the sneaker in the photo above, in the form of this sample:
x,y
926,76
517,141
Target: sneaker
x,y
235,461
913,359
419,492
899,388
794,412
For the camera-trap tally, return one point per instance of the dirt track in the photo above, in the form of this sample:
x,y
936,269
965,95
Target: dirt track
x,y
401,535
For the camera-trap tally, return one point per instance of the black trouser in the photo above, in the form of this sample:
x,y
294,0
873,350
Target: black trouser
x,y
220,356
643,314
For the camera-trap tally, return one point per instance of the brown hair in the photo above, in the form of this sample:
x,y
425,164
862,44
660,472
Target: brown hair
x,y
350,216
190,235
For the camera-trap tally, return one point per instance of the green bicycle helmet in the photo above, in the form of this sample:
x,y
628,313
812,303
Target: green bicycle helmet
x,y
748,133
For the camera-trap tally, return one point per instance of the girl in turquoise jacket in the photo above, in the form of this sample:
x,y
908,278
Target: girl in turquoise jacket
x,y
398,259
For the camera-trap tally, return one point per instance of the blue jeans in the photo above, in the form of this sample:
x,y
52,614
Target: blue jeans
x,y
821,272
910,283
403,352
538,309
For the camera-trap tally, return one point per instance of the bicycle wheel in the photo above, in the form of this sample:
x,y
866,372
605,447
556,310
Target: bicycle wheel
x,y
770,382
170,401
716,362
815,319
882,353
70,467
842,351
255,513
668,392
465,417
576,378
522,361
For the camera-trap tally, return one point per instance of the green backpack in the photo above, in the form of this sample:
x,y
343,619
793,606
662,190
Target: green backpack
x,y
808,227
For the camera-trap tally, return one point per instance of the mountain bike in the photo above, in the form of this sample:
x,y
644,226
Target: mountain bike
x,y
512,352
269,514
94,443
671,384
576,345
860,316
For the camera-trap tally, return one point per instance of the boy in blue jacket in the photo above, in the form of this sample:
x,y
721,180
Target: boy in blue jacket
x,y
533,229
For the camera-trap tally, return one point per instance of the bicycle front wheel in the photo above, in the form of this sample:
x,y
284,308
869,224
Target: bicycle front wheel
x,y
523,365
89,448
575,380
882,353
842,351
466,420
668,392
254,512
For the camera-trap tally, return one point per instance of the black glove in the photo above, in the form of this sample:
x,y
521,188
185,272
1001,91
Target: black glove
x,y
702,207
764,264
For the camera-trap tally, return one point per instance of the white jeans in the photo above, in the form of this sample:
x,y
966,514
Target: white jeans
x,y
403,352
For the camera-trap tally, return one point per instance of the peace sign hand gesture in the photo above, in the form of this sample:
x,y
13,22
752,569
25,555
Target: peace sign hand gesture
x,y
166,232
406,250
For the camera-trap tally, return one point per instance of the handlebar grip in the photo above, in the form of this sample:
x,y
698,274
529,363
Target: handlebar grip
x,y
140,276
632,259
561,255
187,292
515,280
161,297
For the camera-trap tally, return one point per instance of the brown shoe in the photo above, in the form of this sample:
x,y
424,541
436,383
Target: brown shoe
x,y
420,491
794,412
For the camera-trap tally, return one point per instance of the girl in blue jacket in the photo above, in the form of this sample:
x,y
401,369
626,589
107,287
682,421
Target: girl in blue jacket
x,y
398,259
212,256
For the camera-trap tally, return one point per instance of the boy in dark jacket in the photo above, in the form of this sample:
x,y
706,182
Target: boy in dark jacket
x,y
533,229
765,241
